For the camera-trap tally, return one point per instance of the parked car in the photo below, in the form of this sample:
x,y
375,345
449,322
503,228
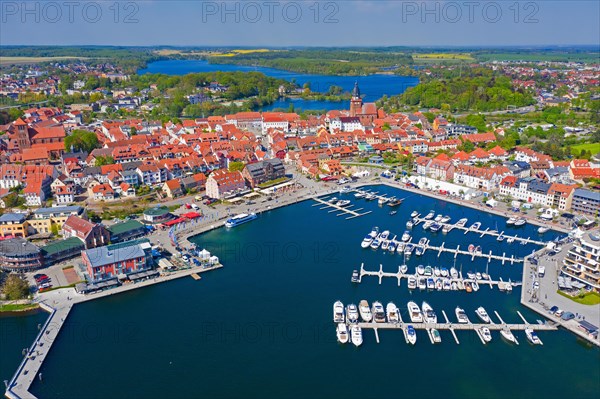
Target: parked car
x,y
568,316
185,258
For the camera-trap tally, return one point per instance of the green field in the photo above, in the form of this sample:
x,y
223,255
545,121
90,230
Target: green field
x,y
32,60
594,148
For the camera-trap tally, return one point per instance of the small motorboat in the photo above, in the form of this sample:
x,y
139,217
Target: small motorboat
x,y
532,337
485,334
430,215
355,276
403,269
409,224
392,213
511,221
411,335
508,335
342,333
483,315
357,339
414,214
520,222
435,336
412,283
475,226
543,229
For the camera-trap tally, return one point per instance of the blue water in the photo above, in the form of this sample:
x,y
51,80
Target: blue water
x,y
261,326
372,87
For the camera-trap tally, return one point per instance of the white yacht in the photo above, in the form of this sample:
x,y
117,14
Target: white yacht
x,y
393,315
485,333
342,333
338,312
342,203
444,272
357,339
511,221
360,194
412,283
461,316
367,241
427,224
376,243
365,311
403,269
430,215
543,229
532,337
406,236
508,335
434,335
411,334
384,236
475,226
420,270
370,196
409,224
520,222
422,283
453,272
378,312
438,218
446,219
415,312
462,222
352,313
482,314
428,313
382,200
414,214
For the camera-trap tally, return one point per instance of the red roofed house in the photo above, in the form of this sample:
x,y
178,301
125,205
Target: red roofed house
x,y
172,188
92,235
498,153
479,137
101,192
223,183
441,169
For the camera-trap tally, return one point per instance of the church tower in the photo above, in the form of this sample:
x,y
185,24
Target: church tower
x,y
356,102
22,134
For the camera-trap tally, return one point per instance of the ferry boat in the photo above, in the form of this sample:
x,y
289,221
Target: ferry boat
x,y
414,312
422,283
430,215
420,270
508,335
342,333
435,227
475,226
411,334
393,315
446,219
365,311
412,283
543,229
378,312
462,222
395,202
485,334
355,276
409,248
453,272
406,236
240,219
409,224
403,269
338,312
482,314
352,313
520,222
414,214
343,203
461,316
434,335
438,218
428,313
511,221
357,339
532,336
427,224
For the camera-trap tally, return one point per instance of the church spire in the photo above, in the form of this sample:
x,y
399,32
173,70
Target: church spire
x,y
356,90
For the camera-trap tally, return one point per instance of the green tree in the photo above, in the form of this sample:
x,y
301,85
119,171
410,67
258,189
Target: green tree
x,y
15,287
236,166
81,140
104,160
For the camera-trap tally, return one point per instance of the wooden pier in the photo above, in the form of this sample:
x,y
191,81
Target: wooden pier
x,y
344,210
380,274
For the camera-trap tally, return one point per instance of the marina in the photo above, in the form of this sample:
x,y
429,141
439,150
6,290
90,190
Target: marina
x,y
344,210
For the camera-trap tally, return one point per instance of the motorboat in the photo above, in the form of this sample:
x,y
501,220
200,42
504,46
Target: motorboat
x,y
447,228
345,189
395,202
435,227
355,276
392,213
478,250
520,222
392,313
438,218
401,246
510,239
414,214
436,271
475,226
468,286
454,286
439,284
343,203
447,285
445,219
365,311
427,224
385,244
475,286
461,316
403,269
378,312
508,335
485,334
382,200
471,275
393,245
500,237
428,271
471,248
421,270
409,248
422,283
412,282
434,335
406,236
352,313
332,200
367,241
444,272
370,196
478,276
384,235
511,221
485,276
453,272
543,229
420,250
532,337
342,333
376,243
430,283
411,335
409,224
462,222
428,313
360,194
483,315
414,312
356,332
338,312
430,215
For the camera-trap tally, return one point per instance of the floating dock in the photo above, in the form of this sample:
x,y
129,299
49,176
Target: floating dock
x,y
344,210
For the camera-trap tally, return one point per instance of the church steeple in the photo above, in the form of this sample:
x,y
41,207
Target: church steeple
x,y
356,102
356,90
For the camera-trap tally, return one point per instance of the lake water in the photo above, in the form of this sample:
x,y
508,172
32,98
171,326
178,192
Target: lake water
x,y
262,327
372,87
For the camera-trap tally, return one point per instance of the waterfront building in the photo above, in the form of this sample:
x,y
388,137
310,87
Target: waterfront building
x,y
19,255
116,260
158,214
126,231
61,250
14,224
582,262
536,191
586,202
42,219
261,172
222,183
92,235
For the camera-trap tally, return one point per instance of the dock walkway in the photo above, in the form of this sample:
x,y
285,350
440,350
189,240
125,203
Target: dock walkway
x,y
343,209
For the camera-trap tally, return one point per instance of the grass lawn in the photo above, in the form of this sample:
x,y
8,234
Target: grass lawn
x,y
31,60
18,307
593,147
590,298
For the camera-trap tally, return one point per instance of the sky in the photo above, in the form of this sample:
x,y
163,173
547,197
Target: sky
x,y
300,23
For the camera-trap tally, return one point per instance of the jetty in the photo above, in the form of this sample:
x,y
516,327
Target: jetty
x,y
343,210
